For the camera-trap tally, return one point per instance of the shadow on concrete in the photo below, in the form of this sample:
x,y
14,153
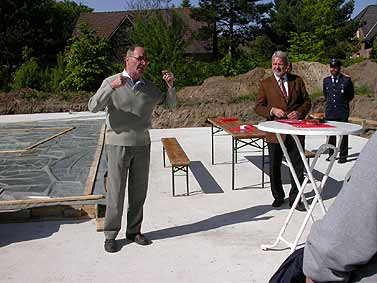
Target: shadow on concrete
x,y
331,189
14,232
206,181
226,219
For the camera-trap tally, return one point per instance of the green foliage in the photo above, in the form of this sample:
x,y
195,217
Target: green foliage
x,y
326,23
41,25
185,4
87,61
363,90
313,96
164,43
350,61
373,54
29,74
259,51
233,67
54,75
306,46
195,72
243,98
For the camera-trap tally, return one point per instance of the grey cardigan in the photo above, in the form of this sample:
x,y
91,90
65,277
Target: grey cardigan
x,y
129,112
342,247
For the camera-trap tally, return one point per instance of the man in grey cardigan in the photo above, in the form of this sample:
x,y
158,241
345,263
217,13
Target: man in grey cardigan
x,y
342,247
129,101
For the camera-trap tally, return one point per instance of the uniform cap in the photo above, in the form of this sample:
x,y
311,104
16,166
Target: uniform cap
x,y
335,62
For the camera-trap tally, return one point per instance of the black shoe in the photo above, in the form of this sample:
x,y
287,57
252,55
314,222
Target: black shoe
x,y
300,206
278,202
342,160
139,239
111,246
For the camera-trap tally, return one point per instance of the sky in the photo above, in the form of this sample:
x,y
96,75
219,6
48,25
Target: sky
x,y
119,5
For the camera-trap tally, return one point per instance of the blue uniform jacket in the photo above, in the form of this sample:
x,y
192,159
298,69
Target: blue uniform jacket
x,y
338,96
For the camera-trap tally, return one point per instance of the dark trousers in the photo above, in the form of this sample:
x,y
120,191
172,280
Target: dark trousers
x,y
343,151
123,162
276,154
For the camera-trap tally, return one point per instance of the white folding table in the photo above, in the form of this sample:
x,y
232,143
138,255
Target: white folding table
x,y
339,129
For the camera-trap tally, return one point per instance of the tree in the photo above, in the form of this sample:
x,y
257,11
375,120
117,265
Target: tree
x,y
43,26
185,4
327,20
140,5
163,39
87,61
234,20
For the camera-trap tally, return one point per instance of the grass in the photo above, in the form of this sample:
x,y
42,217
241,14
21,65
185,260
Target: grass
x,y
364,90
242,98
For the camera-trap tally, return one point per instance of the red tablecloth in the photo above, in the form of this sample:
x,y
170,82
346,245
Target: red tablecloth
x,y
243,128
230,119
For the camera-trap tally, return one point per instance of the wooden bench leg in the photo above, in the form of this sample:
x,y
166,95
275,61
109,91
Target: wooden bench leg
x,y
175,169
172,180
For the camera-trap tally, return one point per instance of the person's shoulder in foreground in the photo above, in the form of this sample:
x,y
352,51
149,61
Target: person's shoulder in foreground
x,y
342,247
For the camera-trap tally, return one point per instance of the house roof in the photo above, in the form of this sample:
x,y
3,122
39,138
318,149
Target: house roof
x,y
106,24
368,19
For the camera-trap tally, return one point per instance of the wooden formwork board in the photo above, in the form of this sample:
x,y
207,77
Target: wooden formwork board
x,y
54,210
88,190
63,131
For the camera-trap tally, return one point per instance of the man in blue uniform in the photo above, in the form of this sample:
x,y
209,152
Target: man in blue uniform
x,y
338,91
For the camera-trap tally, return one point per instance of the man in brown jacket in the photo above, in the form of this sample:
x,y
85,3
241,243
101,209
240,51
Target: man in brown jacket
x,y
283,96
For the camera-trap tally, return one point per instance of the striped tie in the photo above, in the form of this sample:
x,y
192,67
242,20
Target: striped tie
x,y
282,88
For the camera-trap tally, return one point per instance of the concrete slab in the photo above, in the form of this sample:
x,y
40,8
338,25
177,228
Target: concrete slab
x,y
213,235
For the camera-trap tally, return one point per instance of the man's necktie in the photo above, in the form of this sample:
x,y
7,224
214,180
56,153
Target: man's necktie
x,y
282,88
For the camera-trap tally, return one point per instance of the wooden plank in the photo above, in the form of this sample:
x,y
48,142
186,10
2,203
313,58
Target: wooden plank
x,y
88,190
309,154
40,142
50,200
100,224
176,154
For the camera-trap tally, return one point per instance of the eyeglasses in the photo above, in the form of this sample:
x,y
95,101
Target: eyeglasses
x,y
140,58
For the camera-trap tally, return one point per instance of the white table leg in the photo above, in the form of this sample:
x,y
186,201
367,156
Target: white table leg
x,y
301,188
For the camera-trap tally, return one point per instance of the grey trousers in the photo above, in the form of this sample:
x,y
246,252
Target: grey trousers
x,y
123,161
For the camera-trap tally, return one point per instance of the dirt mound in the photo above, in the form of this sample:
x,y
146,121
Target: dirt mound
x,y
219,97
364,74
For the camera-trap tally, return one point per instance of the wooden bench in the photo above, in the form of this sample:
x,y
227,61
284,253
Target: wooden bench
x,y
177,157
309,154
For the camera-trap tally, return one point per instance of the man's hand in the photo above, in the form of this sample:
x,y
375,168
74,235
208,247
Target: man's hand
x,y
308,280
118,82
293,115
277,112
168,77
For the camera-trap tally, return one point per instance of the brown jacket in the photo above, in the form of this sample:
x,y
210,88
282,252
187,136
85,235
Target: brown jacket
x,y
270,95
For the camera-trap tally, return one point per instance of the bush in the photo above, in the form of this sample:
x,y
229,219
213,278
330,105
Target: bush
x,y
88,61
29,74
193,73
350,61
234,67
